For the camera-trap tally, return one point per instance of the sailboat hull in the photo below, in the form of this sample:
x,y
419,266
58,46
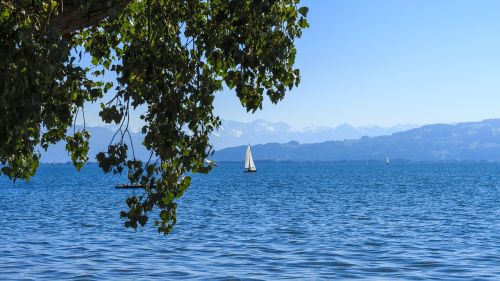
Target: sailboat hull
x,y
250,171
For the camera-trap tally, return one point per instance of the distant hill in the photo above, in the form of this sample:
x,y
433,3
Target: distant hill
x,y
99,141
472,141
231,133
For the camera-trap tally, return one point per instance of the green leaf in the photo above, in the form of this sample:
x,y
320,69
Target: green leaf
x,y
170,59
303,11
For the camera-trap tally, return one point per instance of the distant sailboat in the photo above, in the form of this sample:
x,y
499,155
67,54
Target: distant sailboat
x,y
387,160
249,164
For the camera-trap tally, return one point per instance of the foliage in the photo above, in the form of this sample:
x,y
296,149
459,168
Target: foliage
x,y
170,55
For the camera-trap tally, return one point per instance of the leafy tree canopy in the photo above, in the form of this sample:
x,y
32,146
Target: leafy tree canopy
x,y
171,56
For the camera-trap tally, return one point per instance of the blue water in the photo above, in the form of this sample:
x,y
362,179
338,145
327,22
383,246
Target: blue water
x,y
288,220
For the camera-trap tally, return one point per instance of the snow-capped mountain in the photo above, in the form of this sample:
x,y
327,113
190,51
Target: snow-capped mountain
x,y
469,141
233,133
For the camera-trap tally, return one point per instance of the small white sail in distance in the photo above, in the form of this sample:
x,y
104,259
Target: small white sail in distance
x,y
387,159
249,164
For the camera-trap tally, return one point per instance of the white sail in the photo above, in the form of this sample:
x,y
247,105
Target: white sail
x,y
247,158
387,160
249,164
252,164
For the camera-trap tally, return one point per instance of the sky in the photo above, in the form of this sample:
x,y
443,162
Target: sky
x,y
391,62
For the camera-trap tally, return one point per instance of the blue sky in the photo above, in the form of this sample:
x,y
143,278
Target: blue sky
x,y
390,62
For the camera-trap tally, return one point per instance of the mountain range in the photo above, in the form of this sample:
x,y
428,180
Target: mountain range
x,y
99,141
231,133
471,141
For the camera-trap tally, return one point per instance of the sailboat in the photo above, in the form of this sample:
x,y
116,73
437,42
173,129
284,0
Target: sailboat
x,y
387,159
249,164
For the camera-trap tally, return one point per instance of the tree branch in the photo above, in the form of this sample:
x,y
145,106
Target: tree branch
x,y
77,14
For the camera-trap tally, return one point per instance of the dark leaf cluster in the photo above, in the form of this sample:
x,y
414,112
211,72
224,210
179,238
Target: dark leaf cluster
x,y
171,56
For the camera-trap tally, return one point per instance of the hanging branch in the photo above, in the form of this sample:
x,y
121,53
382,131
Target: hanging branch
x,y
74,16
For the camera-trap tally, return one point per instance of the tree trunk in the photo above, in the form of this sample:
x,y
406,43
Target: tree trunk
x,y
78,14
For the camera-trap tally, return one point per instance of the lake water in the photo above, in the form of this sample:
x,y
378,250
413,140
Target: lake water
x,y
288,220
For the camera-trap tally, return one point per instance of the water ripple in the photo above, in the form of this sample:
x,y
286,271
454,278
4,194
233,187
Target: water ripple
x,y
288,221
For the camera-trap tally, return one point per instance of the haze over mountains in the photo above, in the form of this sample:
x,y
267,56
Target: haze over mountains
x,y
231,133
99,141
471,141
